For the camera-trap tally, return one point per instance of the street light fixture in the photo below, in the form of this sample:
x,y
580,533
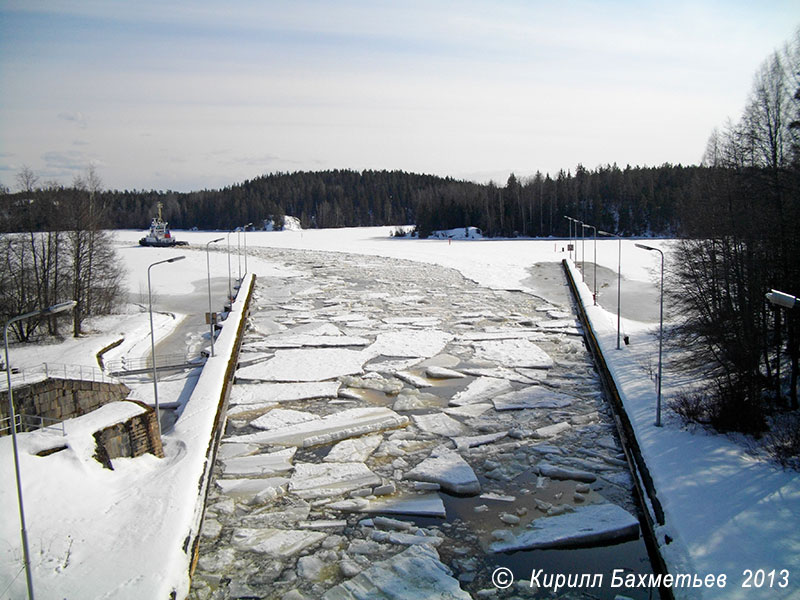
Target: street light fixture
x,y
661,331
783,299
210,314
51,310
153,337
595,260
619,280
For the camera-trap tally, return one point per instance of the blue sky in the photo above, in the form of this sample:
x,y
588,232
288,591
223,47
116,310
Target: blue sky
x,y
189,95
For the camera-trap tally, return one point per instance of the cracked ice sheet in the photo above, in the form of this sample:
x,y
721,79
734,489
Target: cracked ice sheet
x,y
440,424
348,423
241,488
414,573
282,392
411,343
514,353
305,340
449,470
312,480
314,364
587,525
420,505
277,543
259,464
464,442
355,450
278,418
532,397
480,390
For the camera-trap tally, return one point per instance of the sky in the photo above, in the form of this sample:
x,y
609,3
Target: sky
x,y
187,95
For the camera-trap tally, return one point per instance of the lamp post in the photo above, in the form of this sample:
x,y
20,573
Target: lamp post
x,y
595,260
571,221
230,291
153,337
239,252
783,299
789,302
245,246
660,331
583,250
210,314
51,310
619,280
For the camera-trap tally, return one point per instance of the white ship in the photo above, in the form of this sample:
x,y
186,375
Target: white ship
x,y
159,233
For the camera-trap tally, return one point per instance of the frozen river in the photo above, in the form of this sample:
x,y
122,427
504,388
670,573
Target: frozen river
x,y
394,424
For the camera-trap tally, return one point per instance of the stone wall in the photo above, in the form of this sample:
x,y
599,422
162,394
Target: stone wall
x,y
62,399
134,437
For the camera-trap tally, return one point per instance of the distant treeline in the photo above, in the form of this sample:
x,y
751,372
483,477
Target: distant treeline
x,y
632,201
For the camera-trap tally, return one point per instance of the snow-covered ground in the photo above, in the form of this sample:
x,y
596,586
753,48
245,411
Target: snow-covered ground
x,y
726,512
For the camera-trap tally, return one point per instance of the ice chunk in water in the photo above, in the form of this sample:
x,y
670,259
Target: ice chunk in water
x,y
586,525
449,470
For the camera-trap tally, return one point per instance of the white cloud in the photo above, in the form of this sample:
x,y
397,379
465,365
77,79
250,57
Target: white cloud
x,y
437,87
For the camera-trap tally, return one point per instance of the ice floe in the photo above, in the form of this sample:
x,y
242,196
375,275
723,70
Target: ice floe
x,y
278,418
259,464
472,441
532,397
249,488
586,525
428,504
440,424
413,379
411,343
308,364
435,372
414,573
549,431
449,470
556,472
354,450
468,410
480,390
313,480
282,392
277,543
305,340
514,353
230,450
338,426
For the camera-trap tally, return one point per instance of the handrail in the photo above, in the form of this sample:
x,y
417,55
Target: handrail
x,y
57,371
23,422
136,364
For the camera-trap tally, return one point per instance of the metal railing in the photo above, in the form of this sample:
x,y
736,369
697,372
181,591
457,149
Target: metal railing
x,y
23,422
163,361
57,370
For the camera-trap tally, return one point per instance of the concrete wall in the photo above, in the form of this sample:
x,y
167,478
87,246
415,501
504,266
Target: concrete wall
x,y
62,399
134,437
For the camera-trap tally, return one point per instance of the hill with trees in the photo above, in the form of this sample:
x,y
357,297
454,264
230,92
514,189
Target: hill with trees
x,y
633,201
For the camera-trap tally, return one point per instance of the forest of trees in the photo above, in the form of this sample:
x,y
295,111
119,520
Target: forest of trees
x,y
56,250
740,239
633,201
